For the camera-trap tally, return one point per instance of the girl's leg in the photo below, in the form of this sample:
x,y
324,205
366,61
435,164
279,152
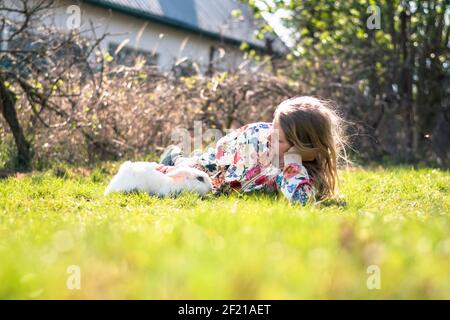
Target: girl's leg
x,y
170,155
173,156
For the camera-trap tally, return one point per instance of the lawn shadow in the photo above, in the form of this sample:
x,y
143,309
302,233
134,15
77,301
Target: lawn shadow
x,y
6,173
339,203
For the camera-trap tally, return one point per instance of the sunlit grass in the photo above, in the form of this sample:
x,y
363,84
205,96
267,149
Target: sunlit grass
x,y
242,246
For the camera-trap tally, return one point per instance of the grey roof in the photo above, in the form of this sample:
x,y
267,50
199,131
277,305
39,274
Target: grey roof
x,y
211,18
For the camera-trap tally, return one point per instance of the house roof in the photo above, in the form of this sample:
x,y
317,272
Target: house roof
x,y
210,18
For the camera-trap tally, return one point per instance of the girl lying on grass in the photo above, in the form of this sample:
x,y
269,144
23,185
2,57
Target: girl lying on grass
x,y
295,154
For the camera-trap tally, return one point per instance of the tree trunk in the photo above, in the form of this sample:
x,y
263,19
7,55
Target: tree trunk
x,y
406,83
7,108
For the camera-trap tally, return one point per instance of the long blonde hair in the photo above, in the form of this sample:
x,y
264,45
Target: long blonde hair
x,y
314,128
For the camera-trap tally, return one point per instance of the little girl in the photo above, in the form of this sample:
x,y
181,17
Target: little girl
x,y
295,154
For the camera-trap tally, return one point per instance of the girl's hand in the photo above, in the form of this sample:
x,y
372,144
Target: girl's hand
x,y
292,156
293,149
308,155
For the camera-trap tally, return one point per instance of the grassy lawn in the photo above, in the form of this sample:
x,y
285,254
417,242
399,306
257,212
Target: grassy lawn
x,y
241,246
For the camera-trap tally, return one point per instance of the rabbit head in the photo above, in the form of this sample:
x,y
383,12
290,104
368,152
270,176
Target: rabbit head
x,y
190,179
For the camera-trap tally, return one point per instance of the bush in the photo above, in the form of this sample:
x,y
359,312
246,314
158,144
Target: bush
x,y
136,109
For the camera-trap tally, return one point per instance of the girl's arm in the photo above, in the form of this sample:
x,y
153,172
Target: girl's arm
x,y
294,181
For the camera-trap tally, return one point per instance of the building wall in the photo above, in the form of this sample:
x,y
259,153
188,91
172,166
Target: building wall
x,y
170,44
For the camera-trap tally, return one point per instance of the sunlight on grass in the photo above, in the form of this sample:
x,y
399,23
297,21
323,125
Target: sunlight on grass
x,y
236,247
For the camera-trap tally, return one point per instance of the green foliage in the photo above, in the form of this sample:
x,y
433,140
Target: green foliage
x,y
241,246
329,28
397,70
236,13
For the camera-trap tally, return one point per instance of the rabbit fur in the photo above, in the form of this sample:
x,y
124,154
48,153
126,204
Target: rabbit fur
x,y
143,176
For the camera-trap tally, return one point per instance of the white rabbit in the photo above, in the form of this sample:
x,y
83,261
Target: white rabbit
x,y
143,176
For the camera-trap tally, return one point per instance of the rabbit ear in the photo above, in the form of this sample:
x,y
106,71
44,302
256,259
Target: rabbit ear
x,y
178,177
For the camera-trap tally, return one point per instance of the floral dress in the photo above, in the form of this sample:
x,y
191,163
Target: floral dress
x,y
242,161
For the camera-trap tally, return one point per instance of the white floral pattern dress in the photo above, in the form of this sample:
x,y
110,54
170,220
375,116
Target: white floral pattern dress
x,y
241,161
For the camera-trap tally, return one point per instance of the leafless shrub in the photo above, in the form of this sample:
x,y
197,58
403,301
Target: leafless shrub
x,y
136,109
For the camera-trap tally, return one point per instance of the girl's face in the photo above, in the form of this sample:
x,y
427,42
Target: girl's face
x,y
283,144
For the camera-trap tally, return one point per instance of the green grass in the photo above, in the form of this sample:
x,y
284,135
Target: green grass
x,y
236,247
